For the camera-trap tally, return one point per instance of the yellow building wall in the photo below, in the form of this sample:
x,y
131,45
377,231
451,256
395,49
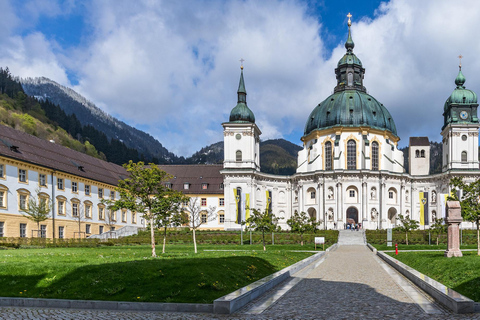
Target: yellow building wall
x,y
11,227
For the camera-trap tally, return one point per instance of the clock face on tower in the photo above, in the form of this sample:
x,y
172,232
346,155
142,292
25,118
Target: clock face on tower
x,y
464,115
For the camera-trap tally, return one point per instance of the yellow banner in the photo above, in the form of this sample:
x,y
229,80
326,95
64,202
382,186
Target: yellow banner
x,y
423,201
236,204
268,200
247,206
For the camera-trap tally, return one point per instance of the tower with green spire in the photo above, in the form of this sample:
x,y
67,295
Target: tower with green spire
x,y
241,135
460,128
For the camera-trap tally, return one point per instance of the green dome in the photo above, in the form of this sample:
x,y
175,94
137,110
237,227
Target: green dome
x,y
350,108
460,95
349,58
241,113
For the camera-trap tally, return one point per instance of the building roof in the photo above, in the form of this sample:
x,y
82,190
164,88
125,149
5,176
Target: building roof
x,y
25,147
196,176
419,141
21,146
350,105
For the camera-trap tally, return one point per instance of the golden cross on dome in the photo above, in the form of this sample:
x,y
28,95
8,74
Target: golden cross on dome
x,y
460,57
241,63
349,21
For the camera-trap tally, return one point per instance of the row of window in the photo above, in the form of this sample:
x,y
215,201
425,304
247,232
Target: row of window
x,y
221,202
42,181
351,155
420,153
204,217
42,233
186,186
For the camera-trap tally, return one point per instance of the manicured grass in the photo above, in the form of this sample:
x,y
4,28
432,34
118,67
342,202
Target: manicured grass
x,y
128,273
460,274
383,247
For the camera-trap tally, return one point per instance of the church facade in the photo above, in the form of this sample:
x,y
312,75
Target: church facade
x,y
350,169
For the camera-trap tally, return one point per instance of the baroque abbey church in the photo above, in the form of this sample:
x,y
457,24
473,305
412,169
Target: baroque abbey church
x,y
350,169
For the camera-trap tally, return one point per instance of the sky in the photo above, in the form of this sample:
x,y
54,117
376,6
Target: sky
x,y
171,68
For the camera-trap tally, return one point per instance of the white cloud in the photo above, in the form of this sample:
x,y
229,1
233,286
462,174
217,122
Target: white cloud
x,y
172,66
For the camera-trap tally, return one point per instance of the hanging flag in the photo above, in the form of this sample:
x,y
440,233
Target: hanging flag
x,y
269,201
247,206
238,204
423,208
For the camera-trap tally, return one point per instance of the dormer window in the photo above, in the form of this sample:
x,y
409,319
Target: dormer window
x,y
186,186
204,186
168,185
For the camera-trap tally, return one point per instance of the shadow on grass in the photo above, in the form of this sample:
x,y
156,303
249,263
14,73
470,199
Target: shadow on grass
x,y
194,280
470,288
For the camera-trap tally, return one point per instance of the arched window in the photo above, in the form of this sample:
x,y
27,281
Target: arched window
x,y
350,79
464,156
351,155
417,153
238,156
374,155
328,156
422,154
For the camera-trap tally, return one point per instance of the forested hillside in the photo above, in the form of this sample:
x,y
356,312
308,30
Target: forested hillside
x,y
91,117
48,121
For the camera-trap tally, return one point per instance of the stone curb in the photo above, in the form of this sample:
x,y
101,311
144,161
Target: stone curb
x,y
449,298
105,305
239,298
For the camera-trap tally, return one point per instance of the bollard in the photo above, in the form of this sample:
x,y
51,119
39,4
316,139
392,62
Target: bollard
x,y
396,249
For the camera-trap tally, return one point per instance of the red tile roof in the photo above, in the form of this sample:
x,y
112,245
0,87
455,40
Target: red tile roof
x,y
196,175
22,146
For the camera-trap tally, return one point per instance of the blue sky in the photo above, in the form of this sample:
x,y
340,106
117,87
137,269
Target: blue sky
x,y
171,68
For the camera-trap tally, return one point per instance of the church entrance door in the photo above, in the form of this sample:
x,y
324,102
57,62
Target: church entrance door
x,y
352,213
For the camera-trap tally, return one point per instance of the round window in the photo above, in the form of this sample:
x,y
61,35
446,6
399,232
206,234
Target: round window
x,y
464,138
238,136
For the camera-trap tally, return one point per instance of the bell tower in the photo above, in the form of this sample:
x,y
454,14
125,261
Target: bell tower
x,y
241,135
460,129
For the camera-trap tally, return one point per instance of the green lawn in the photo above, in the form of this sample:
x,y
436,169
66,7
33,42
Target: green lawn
x,y
459,274
128,273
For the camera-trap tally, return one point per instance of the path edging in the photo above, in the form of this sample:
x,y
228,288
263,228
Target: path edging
x,y
239,298
451,299
105,305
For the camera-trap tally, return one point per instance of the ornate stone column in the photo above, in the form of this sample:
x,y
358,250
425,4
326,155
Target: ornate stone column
x,y
339,204
321,201
364,203
383,203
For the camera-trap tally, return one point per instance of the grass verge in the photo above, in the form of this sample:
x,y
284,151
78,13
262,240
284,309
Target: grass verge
x,y
460,274
128,273
383,247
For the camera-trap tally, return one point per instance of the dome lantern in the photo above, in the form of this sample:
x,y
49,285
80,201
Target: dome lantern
x,y
350,105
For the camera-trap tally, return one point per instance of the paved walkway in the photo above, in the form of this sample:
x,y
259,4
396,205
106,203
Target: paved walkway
x,y
351,283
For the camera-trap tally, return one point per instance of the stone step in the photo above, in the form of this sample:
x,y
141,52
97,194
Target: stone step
x,y
348,237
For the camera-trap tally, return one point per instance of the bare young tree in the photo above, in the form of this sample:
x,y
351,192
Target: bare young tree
x,y
110,219
198,216
37,210
78,214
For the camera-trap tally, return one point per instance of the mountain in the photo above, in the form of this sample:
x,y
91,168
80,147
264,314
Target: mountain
x,y
88,114
277,156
